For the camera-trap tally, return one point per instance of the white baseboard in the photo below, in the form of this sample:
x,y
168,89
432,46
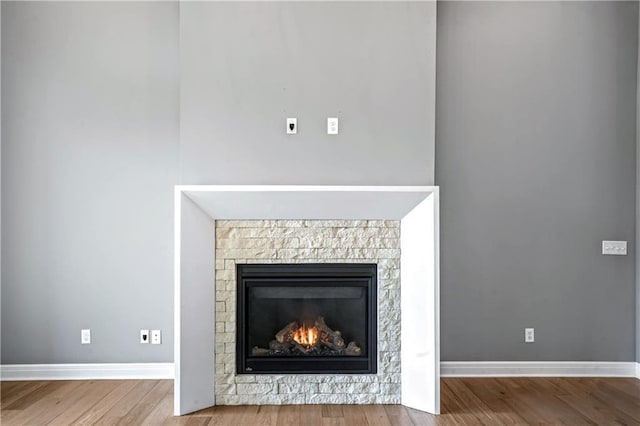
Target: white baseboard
x,y
160,370
532,369
157,371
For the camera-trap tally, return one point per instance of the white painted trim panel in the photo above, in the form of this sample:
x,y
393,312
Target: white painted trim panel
x,y
638,370
194,310
537,369
302,188
420,316
177,301
100,371
306,202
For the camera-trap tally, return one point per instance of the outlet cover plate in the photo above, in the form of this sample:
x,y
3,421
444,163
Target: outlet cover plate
x,y
156,337
144,336
292,126
529,336
85,336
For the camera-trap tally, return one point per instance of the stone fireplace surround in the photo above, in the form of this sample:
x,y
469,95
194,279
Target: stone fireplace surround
x,y
304,241
340,217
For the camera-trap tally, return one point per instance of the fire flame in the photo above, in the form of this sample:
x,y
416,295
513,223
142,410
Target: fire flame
x,y
306,336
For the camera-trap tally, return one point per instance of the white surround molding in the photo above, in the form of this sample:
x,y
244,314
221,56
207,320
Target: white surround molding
x,y
198,206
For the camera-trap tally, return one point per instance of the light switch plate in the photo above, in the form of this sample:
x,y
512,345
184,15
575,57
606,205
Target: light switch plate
x,y
615,248
332,125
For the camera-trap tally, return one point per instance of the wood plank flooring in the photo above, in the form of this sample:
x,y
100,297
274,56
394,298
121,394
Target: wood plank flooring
x,y
486,401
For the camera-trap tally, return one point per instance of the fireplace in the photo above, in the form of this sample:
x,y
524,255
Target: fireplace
x,y
306,318
297,224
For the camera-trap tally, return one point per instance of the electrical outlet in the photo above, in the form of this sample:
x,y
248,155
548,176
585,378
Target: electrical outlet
x,y
156,337
85,336
144,336
529,336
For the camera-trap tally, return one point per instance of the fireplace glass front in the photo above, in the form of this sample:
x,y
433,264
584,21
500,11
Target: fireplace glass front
x,y
306,318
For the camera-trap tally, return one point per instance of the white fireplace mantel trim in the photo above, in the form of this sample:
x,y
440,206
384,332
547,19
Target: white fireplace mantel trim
x,y
196,208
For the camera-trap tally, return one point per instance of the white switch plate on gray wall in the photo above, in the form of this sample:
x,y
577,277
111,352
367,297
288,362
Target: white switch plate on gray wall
x,y
616,248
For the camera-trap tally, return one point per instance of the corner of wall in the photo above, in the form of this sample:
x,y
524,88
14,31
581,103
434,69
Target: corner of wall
x,y
0,181
638,198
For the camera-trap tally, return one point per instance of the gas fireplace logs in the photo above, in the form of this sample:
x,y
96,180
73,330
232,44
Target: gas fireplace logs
x,y
317,339
286,334
328,337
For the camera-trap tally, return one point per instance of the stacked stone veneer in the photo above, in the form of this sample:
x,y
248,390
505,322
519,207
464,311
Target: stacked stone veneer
x,y
270,241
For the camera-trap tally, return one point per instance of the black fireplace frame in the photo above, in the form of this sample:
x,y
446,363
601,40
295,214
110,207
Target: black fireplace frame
x,y
350,274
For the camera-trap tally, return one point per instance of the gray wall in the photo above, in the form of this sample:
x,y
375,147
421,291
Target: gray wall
x,y
247,66
0,187
535,156
638,202
89,139
93,104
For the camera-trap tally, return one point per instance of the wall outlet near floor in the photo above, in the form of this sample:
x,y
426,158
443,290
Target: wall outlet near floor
x,y
85,336
144,336
615,248
156,337
529,336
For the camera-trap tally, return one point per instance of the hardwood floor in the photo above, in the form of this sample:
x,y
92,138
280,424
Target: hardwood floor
x,y
494,401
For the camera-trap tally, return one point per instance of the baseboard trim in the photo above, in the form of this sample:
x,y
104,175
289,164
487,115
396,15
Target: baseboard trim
x,y
159,370
533,369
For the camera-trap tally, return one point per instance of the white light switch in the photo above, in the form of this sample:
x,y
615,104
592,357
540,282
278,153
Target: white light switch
x,y
332,125
616,248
